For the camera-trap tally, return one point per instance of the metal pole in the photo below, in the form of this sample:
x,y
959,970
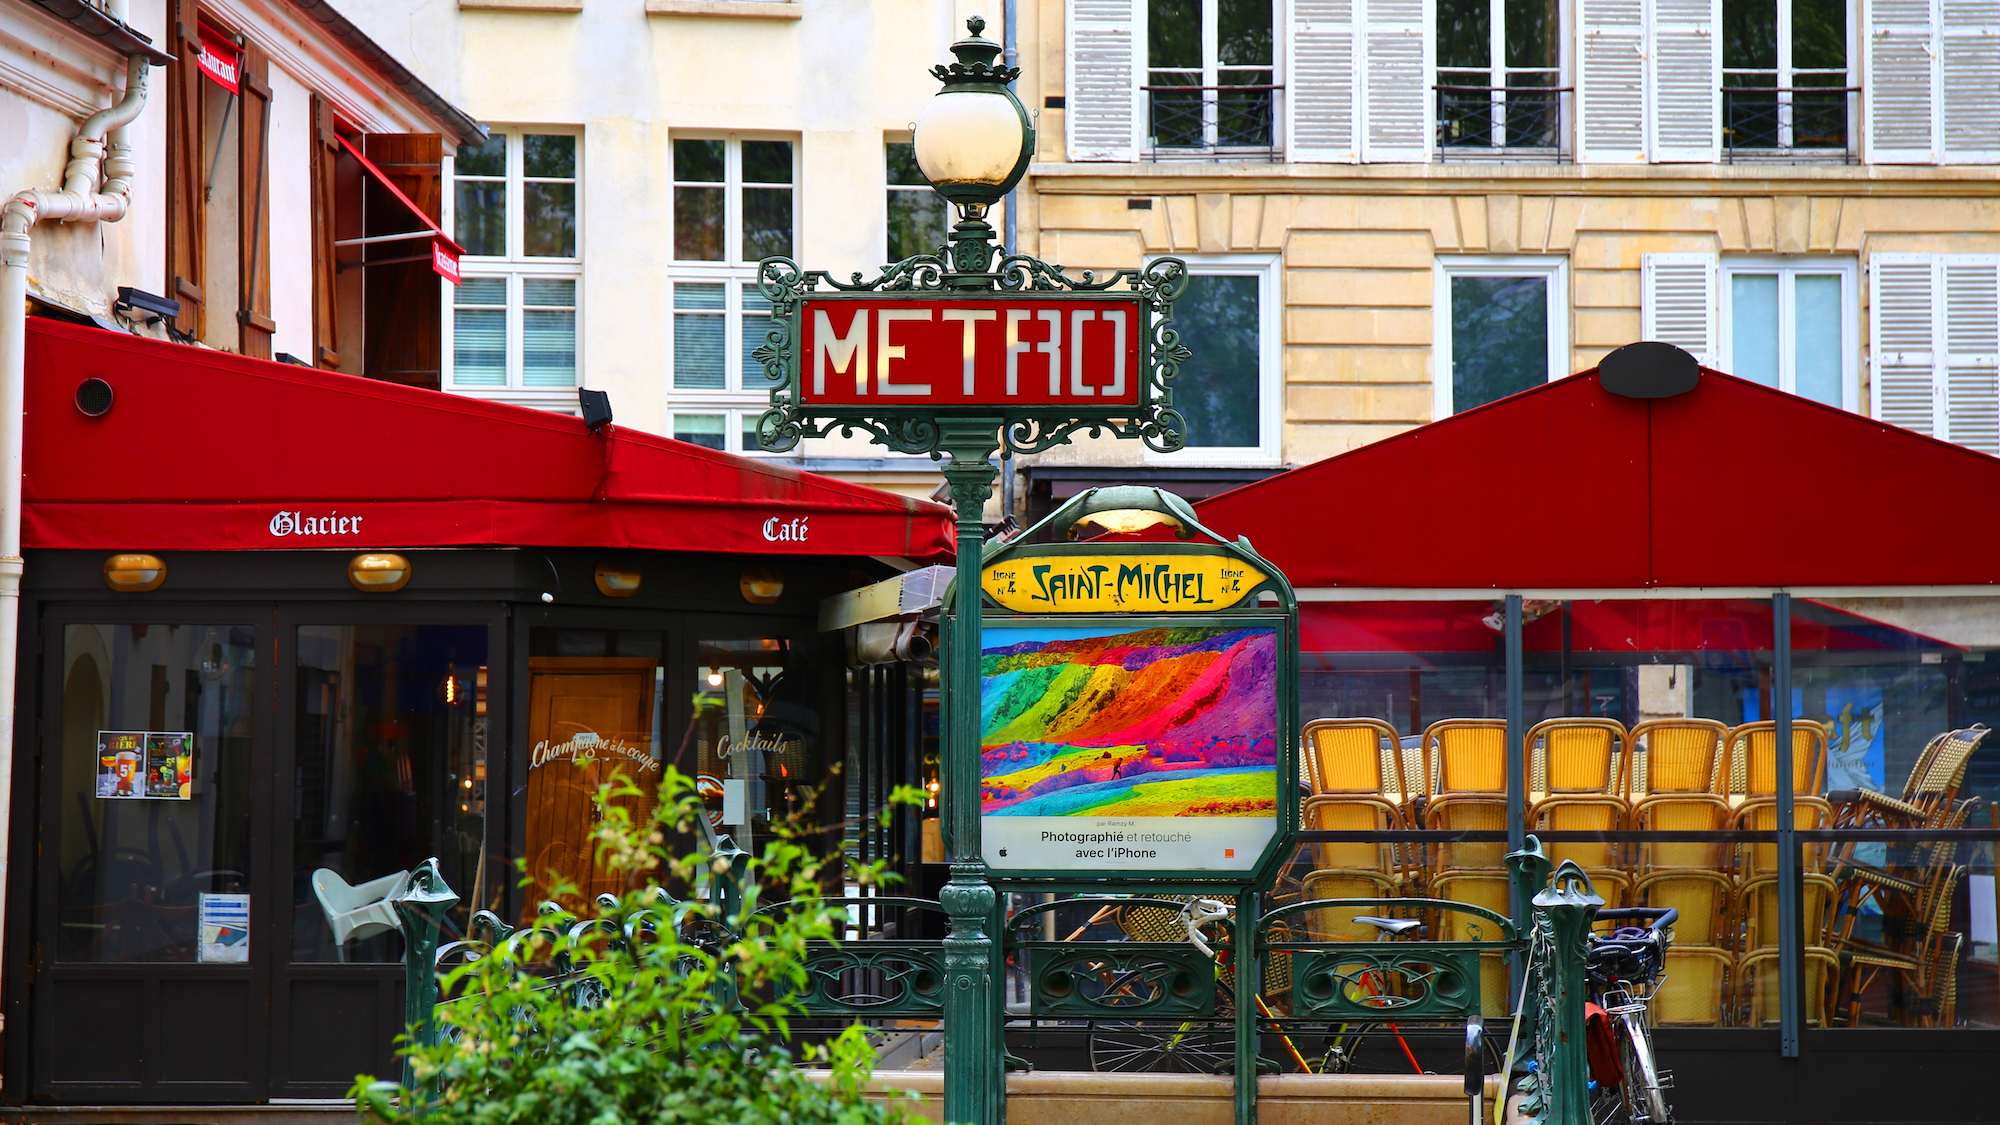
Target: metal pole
x,y
1245,1078
1517,774
974,1079
1790,956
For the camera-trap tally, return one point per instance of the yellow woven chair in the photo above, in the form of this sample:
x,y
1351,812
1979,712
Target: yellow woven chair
x,y
1691,992
1914,955
1757,985
1929,793
1355,768
1478,888
1753,788
1576,783
1757,906
1336,923
1465,771
1704,899
1679,771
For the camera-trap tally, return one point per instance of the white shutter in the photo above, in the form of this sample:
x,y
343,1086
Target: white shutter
x,y
1322,85
1677,303
1899,83
1397,102
1611,82
1104,109
1971,349
1969,78
1684,68
1903,293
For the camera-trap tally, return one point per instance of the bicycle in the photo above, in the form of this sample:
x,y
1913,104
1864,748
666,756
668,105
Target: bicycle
x,y
1623,971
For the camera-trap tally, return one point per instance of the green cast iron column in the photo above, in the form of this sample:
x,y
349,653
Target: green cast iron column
x,y
974,1091
1562,914
421,908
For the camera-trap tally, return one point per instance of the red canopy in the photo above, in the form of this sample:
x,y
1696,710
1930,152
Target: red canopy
x,y
204,450
1571,486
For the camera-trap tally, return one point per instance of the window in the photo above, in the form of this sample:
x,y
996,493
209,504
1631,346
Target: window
x,y
514,317
1787,322
1209,74
1784,70
1229,393
918,215
1499,66
1791,325
1502,327
734,204
713,429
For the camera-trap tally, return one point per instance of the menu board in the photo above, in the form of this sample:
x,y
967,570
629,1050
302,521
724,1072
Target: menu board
x,y
136,764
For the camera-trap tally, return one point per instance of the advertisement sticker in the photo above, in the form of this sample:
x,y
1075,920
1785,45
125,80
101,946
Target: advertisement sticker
x,y
120,762
225,929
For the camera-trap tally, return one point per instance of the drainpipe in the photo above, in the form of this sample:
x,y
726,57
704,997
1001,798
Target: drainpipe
x,y
81,200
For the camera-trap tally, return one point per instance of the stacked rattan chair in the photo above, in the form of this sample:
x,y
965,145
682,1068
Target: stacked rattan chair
x,y
1678,782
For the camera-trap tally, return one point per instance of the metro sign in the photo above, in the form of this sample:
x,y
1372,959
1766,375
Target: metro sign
x,y
1005,351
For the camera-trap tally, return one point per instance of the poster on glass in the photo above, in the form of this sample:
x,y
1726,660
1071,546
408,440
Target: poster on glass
x,y
1108,748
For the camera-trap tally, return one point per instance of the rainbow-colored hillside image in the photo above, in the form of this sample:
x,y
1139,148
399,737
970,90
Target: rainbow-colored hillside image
x,y
1155,722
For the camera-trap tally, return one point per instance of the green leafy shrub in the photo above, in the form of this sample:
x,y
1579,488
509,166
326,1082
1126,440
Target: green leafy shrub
x,y
651,1013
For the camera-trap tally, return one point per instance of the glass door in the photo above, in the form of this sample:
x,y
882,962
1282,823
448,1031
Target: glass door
x,y
148,981
382,764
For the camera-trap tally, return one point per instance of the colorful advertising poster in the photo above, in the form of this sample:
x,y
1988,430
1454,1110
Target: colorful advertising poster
x,y
225,929
170,765
121,763
1128,751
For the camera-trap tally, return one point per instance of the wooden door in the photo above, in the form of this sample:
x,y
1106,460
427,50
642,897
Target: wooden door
x,y
589,719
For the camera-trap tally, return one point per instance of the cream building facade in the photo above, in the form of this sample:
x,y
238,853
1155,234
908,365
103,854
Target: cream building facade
x,y
696,136
1405,208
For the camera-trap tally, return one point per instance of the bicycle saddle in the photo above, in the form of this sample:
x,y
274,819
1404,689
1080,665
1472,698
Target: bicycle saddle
x,y
1394,927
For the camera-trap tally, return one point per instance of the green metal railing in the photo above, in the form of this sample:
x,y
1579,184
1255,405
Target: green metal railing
x,y
1172,983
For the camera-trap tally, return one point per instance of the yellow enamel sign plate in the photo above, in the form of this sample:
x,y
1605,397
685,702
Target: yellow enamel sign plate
x,y
1120,583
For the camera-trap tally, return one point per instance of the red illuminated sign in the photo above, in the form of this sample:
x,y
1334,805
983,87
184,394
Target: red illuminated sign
x,y
945,352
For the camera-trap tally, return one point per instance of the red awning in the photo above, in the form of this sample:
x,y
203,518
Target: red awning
x,y
204,451
444,251
1568,486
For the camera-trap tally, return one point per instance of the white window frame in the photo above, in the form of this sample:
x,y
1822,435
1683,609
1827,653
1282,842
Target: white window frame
x,y
1268,270
514,266
733,421
889,189
1787,76
1554,267
1211,71
741,390
1788,267
1497,74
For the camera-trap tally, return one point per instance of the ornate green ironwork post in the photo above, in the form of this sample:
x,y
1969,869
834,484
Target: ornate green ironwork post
x,y
421,908
974,1080
1558,1092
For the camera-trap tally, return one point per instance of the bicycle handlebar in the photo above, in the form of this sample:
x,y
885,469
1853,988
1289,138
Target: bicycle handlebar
x,y
1659,918
1198,913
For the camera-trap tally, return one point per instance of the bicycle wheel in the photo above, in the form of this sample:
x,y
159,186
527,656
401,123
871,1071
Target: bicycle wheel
x,y
1645,1095
1158,1048
1383,1048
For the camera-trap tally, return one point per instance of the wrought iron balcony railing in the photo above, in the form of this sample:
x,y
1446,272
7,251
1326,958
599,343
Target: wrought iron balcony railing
x,y
1802,123
1212,122
1501,123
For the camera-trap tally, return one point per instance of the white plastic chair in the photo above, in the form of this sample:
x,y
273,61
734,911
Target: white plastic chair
x,y
357,912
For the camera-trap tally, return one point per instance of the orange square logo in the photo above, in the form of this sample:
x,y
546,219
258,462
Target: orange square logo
x,y
1229,853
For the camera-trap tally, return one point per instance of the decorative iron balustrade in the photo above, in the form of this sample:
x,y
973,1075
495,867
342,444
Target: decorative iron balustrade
x,y
1216,122
1501,123
1766,123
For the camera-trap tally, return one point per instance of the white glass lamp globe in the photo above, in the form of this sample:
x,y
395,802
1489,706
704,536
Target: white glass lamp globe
x,y
969,144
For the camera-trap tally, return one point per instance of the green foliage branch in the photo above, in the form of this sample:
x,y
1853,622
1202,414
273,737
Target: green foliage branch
x,y
652,1012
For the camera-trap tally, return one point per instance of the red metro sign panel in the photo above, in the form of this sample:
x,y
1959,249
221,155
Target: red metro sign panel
x,y
1000,351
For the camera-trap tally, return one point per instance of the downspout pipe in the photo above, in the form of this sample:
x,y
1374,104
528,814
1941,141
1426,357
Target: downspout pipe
x,y
97,187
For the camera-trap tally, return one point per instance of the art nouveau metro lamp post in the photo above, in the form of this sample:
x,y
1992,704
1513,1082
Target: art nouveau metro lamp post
x,y
974,141
926,358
